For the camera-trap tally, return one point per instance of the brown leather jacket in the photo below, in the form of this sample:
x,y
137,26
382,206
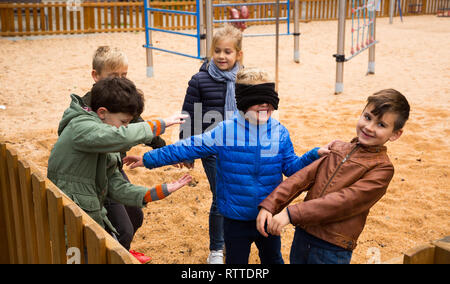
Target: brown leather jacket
x,y
342,187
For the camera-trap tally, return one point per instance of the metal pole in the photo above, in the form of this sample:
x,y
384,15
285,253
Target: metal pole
x,y
371,68
296,31
340,56
201,28
148,39
391,11
277,42
209,27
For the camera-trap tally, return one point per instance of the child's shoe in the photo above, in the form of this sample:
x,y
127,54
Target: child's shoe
x,y
215,257
141,257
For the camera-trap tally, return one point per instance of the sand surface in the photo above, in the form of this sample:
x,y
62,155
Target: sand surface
x,y
37,75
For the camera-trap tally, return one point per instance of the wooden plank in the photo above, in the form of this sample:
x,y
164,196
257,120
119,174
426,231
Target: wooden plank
x,y
119,255
28,211
11,162
420,255
56,225
95,244
74,226
35,20
64,19
99,17
42,19
57,18
27,20
442,252
50,18
19,20
7,240
41,218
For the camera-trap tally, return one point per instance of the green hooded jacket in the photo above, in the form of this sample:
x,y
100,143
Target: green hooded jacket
x,y
84,163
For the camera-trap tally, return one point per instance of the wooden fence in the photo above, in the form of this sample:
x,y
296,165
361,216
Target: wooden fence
x,y
437,252
50,18
40,224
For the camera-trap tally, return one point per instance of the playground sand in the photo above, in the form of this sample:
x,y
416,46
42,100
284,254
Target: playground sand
x,y
37,76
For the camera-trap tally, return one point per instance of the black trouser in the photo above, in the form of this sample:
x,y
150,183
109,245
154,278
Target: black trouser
x,y
126,219
239,236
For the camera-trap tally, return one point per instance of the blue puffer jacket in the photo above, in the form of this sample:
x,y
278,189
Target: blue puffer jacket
x,y
250,163
203,89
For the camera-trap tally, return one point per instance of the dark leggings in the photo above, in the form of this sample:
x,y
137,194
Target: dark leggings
x,y
126,219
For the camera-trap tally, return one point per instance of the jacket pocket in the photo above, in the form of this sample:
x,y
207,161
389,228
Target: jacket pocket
x,y
88,203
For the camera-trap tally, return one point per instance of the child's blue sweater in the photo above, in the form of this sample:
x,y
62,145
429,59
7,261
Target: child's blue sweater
x,y
251,161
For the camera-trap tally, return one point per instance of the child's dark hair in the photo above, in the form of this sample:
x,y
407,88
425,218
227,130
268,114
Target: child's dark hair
x,y
390,100
117,95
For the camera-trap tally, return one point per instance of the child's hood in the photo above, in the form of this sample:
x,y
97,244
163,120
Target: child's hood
x,y
77,107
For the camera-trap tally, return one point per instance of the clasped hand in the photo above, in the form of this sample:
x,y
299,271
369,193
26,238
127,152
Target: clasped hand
x,y
274,223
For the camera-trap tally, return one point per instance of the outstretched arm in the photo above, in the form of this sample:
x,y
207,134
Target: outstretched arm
x,y
195,147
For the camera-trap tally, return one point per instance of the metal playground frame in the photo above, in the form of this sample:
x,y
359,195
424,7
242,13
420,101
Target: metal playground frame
x,y
365,30
205,24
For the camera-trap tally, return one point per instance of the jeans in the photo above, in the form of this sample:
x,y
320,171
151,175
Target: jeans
x,y
239,236
216,241
308,249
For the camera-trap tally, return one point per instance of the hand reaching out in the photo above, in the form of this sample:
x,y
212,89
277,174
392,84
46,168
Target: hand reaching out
x,y
175,119
133,161
326,149
174,186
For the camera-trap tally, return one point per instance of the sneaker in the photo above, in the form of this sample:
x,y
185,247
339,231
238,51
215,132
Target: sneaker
x,y
215,257
141,257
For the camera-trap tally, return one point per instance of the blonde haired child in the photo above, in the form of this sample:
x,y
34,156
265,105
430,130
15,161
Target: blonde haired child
x,y
253,152
211,91
109,61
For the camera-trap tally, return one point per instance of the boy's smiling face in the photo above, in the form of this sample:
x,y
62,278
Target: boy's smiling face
x,y
376,131
259,114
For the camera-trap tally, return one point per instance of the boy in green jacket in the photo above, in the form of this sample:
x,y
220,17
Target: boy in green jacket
x,y
84,163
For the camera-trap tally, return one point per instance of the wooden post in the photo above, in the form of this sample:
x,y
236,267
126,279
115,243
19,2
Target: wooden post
x,y
95,243
420,255
11,161
41,218
7,241
56,225
28,212
442,251
74,226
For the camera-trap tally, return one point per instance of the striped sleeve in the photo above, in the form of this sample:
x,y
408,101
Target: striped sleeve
x,y
156,193
158,126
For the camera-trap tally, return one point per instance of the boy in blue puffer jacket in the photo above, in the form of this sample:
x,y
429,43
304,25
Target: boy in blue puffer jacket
x,y
253,152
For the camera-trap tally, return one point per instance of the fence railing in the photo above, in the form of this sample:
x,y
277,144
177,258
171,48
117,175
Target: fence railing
x,y
49,18
40,224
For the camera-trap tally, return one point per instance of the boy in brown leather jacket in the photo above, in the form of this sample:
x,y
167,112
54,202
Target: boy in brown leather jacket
x,y
342,187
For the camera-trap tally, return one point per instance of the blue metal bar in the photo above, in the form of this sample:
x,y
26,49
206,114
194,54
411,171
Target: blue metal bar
x,y
147,34
170,32
147,10
197,12
171,11
249,20
288,12
173,52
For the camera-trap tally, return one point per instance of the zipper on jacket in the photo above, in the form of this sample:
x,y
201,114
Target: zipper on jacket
x,y
339,166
